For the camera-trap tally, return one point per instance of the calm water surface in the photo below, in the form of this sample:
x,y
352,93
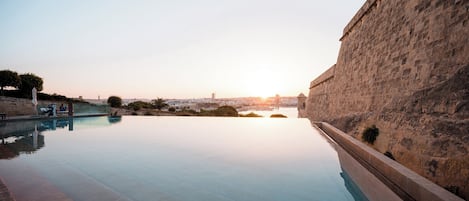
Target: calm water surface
x,y
290,112
171,158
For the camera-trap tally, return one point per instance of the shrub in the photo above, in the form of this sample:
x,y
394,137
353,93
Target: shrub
x,y
252,114
389,155
226,111
172,109
453,189
189,111
278,116
137,105
56,97
370,134
223,111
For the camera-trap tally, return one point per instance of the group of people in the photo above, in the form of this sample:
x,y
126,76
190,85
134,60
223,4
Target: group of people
x,y
51,107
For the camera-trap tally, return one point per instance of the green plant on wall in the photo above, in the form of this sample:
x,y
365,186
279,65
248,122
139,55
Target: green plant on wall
x,y
370,134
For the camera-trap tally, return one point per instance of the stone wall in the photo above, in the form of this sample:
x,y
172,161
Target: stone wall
x,y
301,105
404,66
19,106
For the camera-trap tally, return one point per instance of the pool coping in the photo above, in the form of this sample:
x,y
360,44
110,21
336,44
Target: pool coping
x,y
404,182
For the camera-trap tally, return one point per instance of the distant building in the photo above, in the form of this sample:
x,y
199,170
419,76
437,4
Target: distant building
x,y
301,105
213,96
277,101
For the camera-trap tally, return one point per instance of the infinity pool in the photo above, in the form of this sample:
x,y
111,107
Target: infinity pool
x,y
171,158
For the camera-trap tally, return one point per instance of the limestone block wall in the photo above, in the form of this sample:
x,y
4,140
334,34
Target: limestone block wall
x,y
16,107
403,65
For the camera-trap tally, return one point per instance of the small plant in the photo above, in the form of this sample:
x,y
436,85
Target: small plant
x,y
369,134
453,189
278,116
389,155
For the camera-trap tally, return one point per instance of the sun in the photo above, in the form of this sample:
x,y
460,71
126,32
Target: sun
x,y
261,84
262,90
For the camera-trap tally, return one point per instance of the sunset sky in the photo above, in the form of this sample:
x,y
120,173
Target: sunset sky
x,y
173,49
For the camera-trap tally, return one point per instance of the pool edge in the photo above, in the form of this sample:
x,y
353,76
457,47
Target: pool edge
x,y
404,182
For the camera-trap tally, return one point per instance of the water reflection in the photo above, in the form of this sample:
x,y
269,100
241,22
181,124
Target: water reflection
x,y
360,182
114,119
352,187
12,147
25,137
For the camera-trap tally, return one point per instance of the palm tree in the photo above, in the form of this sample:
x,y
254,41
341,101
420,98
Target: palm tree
x,y
159,103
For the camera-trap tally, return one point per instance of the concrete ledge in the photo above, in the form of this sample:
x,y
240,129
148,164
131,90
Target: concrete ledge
x,y
404,182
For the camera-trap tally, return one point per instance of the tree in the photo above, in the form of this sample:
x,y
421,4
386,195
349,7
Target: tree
x,y
9,78
28,82
114,101
159,103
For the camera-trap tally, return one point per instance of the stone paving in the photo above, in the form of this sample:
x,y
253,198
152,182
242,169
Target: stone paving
x,y
5,194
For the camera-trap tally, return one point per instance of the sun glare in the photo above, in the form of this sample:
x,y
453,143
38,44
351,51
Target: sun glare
x,y
262,84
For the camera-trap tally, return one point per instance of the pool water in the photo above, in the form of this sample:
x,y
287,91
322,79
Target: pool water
x,y
171,158
290,112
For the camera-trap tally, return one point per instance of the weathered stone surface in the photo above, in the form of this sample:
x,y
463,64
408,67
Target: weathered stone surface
x,y
404,66
301,105
5,194
16,107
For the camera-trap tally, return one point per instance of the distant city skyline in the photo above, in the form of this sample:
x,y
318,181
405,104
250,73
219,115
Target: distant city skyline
x,y
173,49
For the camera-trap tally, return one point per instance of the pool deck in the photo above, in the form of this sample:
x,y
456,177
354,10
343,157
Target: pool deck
x,y
4,192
